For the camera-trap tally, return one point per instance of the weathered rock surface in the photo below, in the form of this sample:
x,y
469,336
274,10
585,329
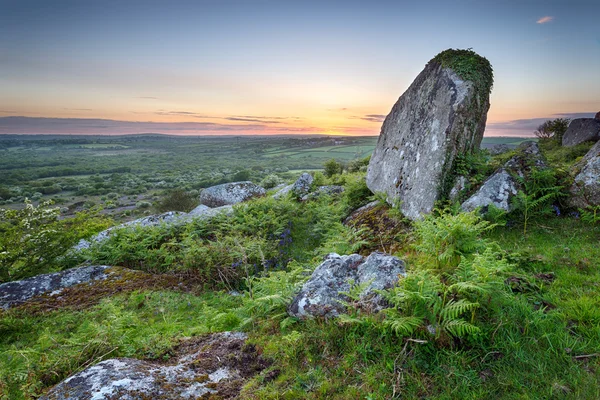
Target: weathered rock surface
x,y
439,117
597,117
214,365
498,189
320,296
586,187
230,193
298,189
18,292
499,149
171,217
582,130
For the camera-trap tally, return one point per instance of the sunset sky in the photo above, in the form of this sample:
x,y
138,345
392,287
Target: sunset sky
x,y
281,67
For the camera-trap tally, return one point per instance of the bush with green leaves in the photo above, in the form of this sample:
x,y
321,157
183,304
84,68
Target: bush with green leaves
x,y
356,193
177,200
270,181
332,167
540,189
34,240
447,237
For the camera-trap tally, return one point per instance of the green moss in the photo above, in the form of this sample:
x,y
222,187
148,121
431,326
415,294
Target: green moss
x,y
469,66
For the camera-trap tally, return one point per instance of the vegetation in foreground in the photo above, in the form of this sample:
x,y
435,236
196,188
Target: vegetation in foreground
x,y
506,307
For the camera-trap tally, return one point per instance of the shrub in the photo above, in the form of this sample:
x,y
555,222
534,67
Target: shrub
x,y
332,167
177,200
270,181
34,241
357,194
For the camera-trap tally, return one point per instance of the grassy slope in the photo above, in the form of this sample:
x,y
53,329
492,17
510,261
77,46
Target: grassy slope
x,y
541,342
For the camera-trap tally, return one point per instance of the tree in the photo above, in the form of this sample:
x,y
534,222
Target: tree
x,y
555,129
332,167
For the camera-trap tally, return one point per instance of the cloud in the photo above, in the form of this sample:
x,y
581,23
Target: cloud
x,y
147,97
526,127
337,109
545,20
373,117
78,109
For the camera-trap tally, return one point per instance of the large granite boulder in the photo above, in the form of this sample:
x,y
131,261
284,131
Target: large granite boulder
x,y
213,366
230,193
441,116
582,130
320,296
585,190
19,292
501,186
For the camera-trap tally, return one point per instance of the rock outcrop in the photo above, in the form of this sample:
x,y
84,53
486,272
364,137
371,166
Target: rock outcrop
x,y
597,117
230,193
213,366
498,189
171,217
441,116
329,190
19,292
298,189
320,296
585,190
499,149
582,130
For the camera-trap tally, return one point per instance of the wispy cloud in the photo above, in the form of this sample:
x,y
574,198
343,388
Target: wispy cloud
x,y
373,117
545,20
78,109
147,97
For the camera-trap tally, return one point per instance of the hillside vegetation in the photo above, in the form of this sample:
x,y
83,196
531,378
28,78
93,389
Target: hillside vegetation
x,y
501,306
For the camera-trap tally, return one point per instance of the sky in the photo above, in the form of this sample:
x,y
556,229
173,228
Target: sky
x,y
281,67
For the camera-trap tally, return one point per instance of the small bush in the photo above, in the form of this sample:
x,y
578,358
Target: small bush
x,y
177,200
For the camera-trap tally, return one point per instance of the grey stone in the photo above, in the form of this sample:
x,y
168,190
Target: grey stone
x,y
499,149
597,117
438,118
213,361
152,220
327,190
230,193
320,295
499,188
18,292
585,190
459,186
298,189
496,190
582,130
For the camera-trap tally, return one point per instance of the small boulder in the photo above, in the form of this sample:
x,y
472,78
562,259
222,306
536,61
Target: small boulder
x,y
320,295
19,292
230,193
597,117
298,189
582,130
327,190
585,190
499,149
151,220
499,188
212,366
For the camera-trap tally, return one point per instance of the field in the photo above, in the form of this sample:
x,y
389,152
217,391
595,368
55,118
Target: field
x,y
118,172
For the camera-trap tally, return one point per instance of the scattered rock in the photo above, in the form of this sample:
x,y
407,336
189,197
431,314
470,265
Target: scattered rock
x,y
328,190
498,189
439,117
82,287
212,366
582,130
298,189
230,193
320,296
204,212
459,186
152,220
499,149
585,190
18,292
